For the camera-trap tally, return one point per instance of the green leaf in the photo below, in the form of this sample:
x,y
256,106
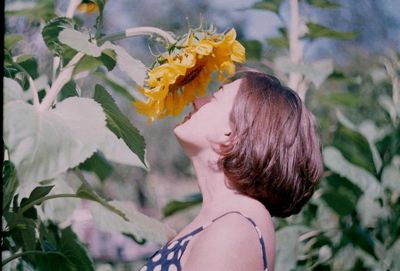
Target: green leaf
x,y
359,176
339,203
117,87
22,230
138,224
353,145
10,183
116,150
389,145
90,63
288,247
11,39
68,90
47,260
45,144
368,207
319,31
322,3
119,124
108,57
51,31
272,5
12,91
42,11
97,164
360,237
282,41
37,193
180,205
339,98
75,251
253,49
29,64
390,179
87,63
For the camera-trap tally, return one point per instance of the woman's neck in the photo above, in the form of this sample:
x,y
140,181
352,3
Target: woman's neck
x,y
213,184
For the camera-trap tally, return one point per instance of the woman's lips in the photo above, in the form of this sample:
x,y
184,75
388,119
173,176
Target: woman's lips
x,y
187,117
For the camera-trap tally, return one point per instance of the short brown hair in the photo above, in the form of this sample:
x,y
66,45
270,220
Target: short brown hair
x,y
273,154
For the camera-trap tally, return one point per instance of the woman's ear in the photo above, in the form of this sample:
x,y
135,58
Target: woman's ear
x,y
228,133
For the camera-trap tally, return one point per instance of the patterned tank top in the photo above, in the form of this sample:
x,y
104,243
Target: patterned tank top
x,y
169,256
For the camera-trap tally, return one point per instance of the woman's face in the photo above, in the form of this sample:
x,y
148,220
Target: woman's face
x,y
208,123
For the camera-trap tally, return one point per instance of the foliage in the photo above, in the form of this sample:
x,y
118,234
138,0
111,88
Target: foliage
x,y
341,228
52,133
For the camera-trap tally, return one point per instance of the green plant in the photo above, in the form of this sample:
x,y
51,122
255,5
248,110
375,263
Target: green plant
x,y
52,133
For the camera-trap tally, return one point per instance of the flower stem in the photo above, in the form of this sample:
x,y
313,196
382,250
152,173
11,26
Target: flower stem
x,y
138,31
61,80
17,255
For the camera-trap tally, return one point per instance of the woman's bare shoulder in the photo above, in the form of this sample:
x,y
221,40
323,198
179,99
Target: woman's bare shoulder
x,y
230,243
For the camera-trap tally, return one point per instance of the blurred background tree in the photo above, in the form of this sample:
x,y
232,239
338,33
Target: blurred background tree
x,y
342,57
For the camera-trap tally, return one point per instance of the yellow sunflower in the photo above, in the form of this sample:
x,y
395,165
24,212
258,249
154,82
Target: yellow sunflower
x,y
186,72
87,6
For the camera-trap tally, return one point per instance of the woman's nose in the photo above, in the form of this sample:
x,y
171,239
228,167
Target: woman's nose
x,y
199,102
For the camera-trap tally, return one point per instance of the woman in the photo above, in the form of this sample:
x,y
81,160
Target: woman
x,y
256,155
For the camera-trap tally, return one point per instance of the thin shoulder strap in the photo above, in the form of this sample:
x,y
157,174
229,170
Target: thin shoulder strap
x,y
256,228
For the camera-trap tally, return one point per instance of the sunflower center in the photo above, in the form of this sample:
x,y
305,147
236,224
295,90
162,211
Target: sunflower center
x,y
190,75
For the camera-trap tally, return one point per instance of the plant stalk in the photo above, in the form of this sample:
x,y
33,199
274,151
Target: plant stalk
x,y
295,48
58,84
138,31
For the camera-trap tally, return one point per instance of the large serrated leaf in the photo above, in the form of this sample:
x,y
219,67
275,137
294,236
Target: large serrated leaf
x,y
116,85
75,251
138,224
12,91
134,68
116,150
79,41
45,144
107,54
119,124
